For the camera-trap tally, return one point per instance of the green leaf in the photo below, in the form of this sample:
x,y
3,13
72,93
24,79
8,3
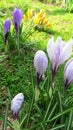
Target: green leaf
x,y
5,118
9,94
49,105
9,124
58,127
70,120
37,93
23,120
60,114
52,111
16,125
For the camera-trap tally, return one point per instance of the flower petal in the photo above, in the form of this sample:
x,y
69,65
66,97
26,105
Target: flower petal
x,y
51,51
68,71
40,62
66,53
16,103
60,43
54,52
7,25
17,16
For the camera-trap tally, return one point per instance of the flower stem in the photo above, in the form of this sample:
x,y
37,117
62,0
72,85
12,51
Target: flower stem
x,y
18,40
6,47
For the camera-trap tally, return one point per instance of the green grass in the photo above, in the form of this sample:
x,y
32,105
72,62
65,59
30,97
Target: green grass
x,y
17,72
60,19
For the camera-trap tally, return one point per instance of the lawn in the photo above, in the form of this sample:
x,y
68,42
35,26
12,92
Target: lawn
x,y
52,109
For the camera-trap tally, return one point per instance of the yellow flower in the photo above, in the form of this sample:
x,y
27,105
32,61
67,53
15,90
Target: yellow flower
x,y
25,17
43,18
48,24
40,14
45,21
29,13
36,20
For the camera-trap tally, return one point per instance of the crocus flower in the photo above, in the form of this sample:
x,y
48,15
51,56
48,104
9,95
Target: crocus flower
x,y
36,20
7,25
58,53
17,17
16,104
68,72
40,64
45,21
40,14
48,24
25,17
29,13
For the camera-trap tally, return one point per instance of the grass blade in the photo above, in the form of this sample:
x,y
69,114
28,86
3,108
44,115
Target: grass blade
x,y
32,101
5,118
51,113
61,107
60,114
70,120
58,127
48,108
9,124
42,127
9,96
23,120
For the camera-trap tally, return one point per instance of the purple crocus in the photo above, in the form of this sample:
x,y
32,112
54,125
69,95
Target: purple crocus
x,y
58,53
16,104
68,72
17,17
40,64
7,25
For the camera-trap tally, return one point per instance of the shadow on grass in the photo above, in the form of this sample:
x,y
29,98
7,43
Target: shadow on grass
x,y
48,31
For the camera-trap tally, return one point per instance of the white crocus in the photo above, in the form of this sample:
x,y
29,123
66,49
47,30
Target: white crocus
x,y
68,72
40,64
16,104
58,52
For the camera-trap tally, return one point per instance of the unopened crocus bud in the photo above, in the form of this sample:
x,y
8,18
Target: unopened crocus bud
x,y
17,17
68,72
16,104
7,25
40,64
58,53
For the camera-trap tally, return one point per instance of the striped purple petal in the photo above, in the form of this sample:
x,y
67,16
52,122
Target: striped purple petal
x,y
68,72
17,17
40,64
7,25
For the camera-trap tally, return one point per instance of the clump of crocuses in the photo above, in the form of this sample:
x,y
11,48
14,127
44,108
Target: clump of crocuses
x,y
40,64
16,104
17,18
7,25
58,53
